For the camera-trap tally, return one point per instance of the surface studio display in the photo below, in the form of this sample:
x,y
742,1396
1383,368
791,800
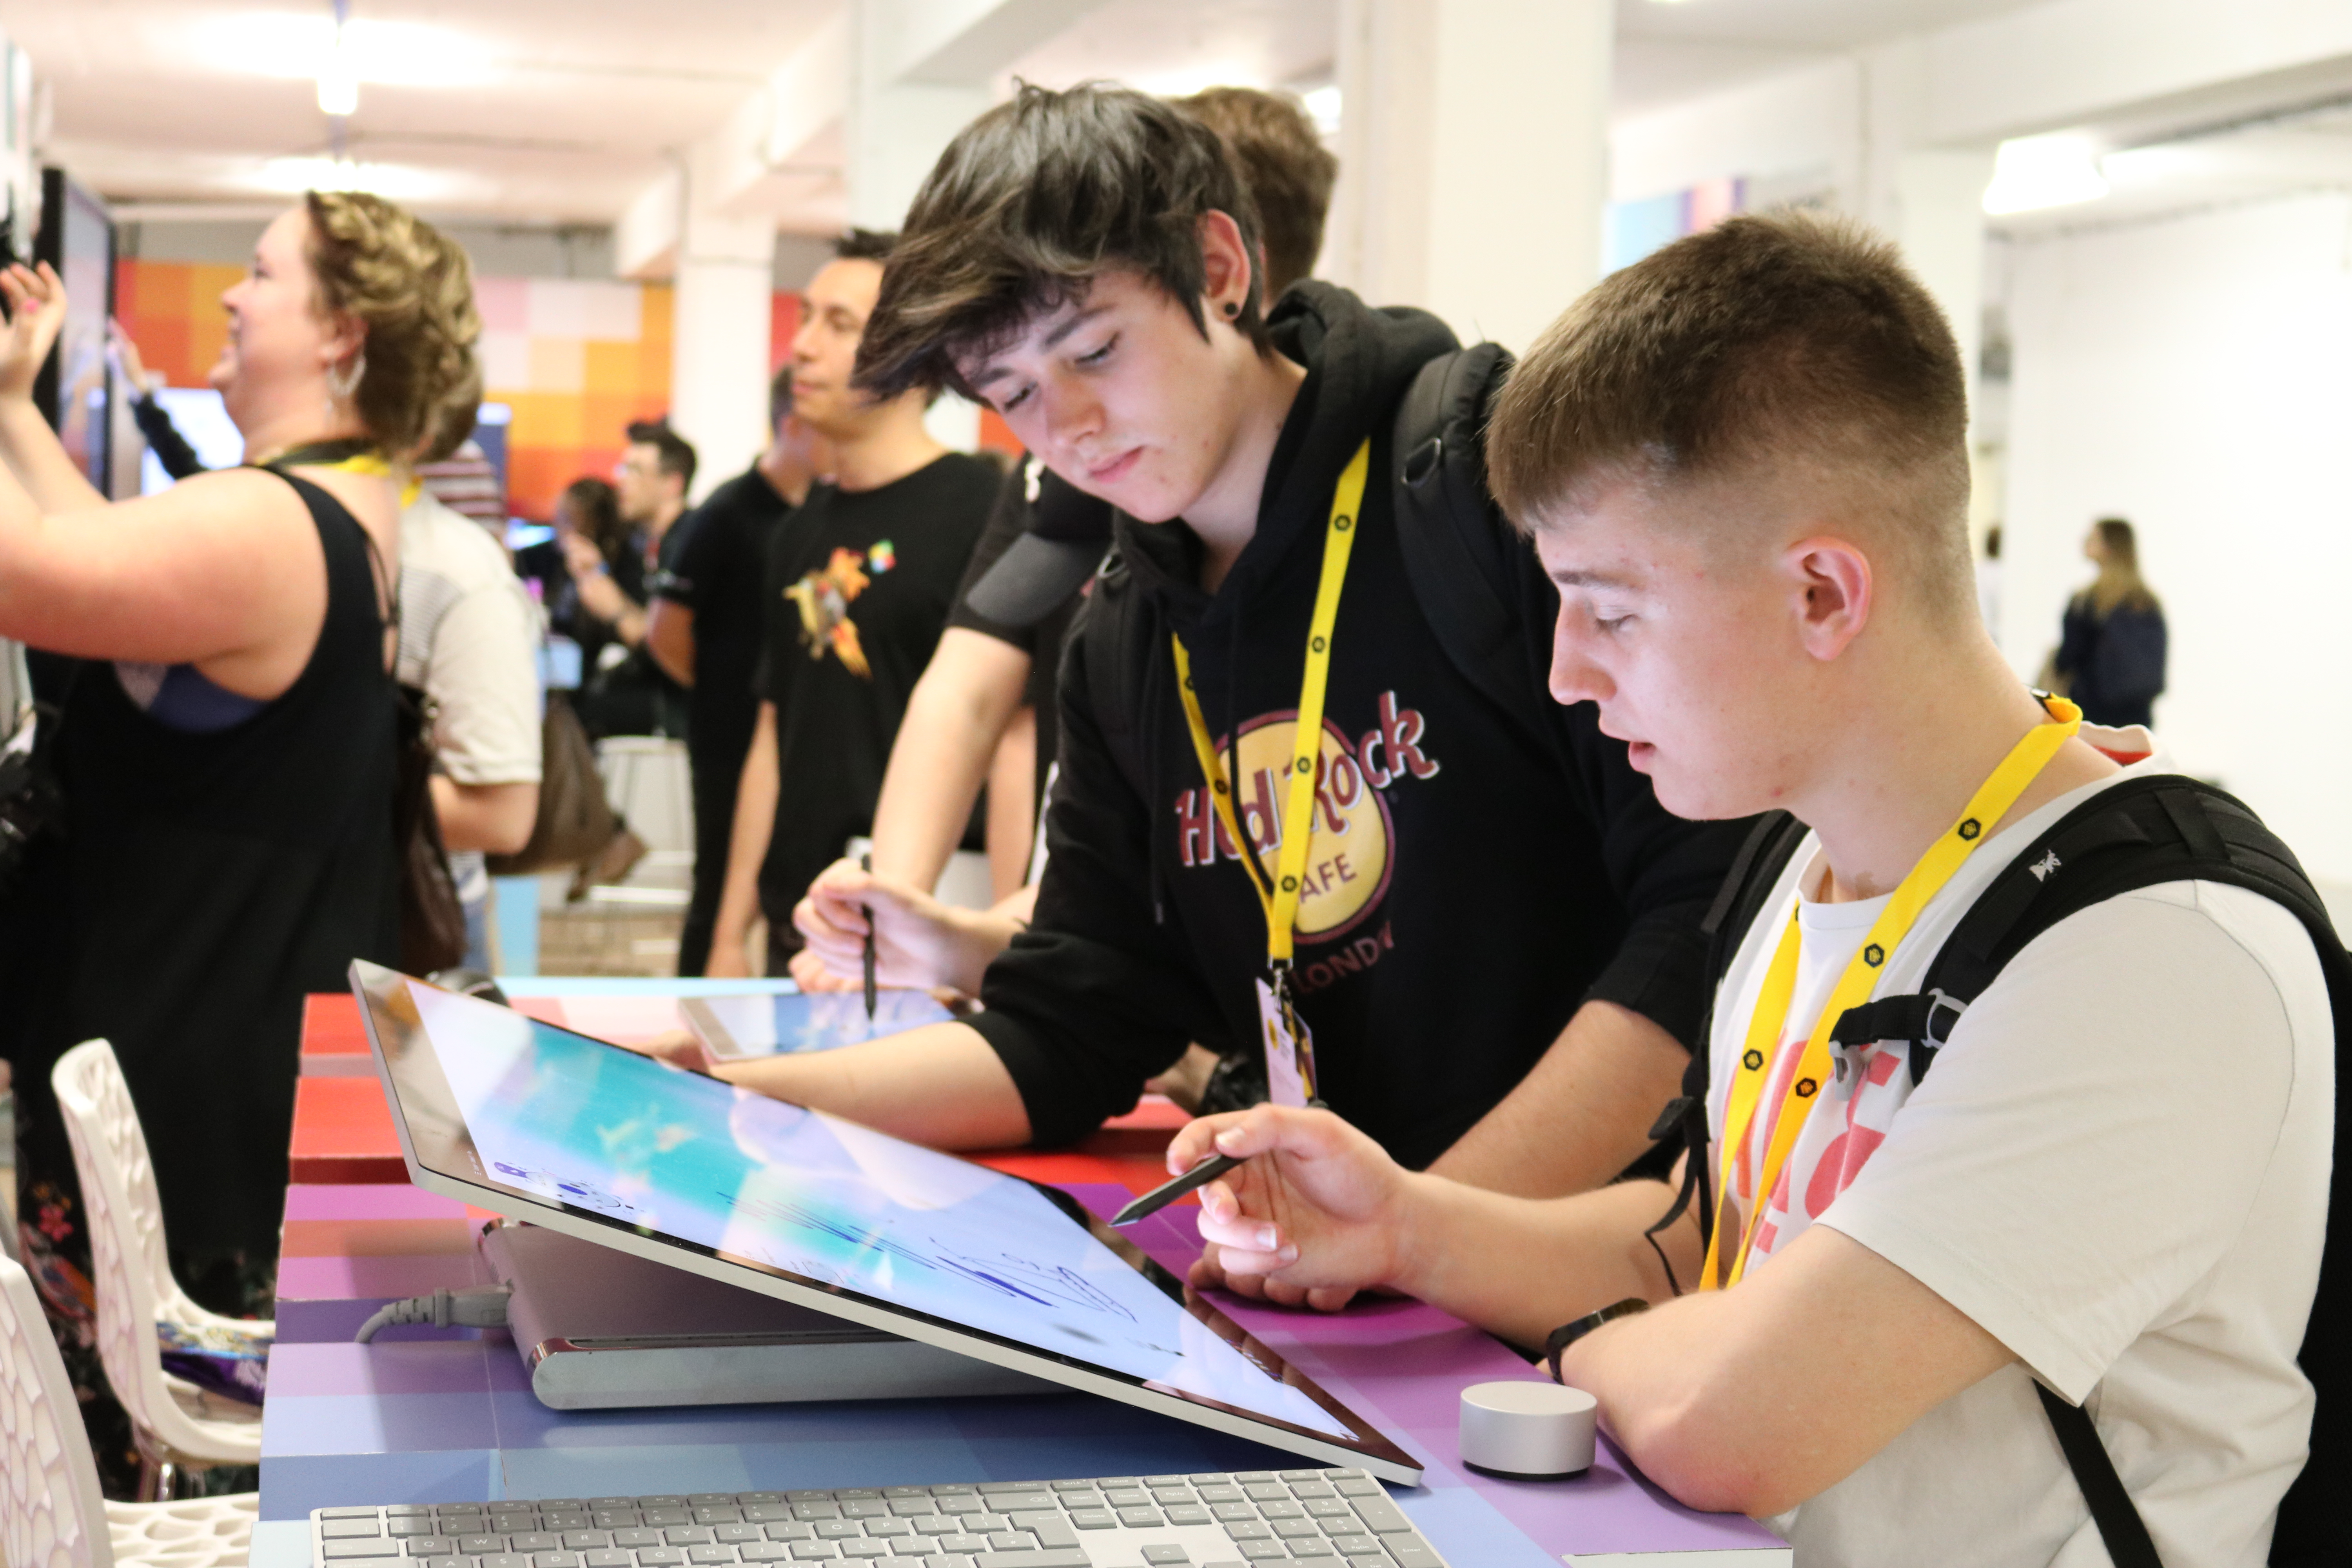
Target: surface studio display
x,y
543,1124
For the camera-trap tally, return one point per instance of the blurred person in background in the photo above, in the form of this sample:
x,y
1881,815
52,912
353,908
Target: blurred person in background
x,y
857,587
588,512
626,692
704,627
2111,645
469,641
226,752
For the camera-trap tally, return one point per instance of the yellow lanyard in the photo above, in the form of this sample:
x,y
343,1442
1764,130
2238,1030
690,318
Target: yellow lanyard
x,y
1297,828
1936,866
371,464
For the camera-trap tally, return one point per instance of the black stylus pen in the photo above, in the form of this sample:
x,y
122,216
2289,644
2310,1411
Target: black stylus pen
x,y
865,863
1161,1197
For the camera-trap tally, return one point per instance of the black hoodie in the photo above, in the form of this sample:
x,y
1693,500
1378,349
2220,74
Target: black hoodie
x,y
1476,874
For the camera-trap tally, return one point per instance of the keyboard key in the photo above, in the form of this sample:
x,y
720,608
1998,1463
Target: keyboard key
x,y
1232,1512
421,1546
667,1516
1303,1491
535,1541
1190,1513
1010,1540
723,1513
939,1525
347,1513
710,1499
838,1529
403,1529
751,1498
633,1539
1131,1498
1297,1529
1366,1546
596,1502
767,1552
865,1508
1260,1551
685,1535
709,1554
1158,1556
661,1557
963,1503
766,1512
915,1549
735,1534
1382,1514
1030,1560
1329,1507
1410,1552
1169,1496
343,1550
1282,1510
555,1560
366,1529
889,1528
1075,1500
843,1494
482,1545
915,1507
816,1508
1052,1530
614,1518
562,1519
997,1489
1249,1530
662,1501
1356,1486
1247,1477
1140,1518
965,1543
1336,1528
506,1560
815,1551
867,1548
1317,1547
792,1529
1303,1475
408,1511
448,1562
1093,1519
606,1557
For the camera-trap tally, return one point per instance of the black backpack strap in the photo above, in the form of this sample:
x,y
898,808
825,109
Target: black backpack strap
x,y
1755,870
1454,539
1113,687
2120,1526
2139,833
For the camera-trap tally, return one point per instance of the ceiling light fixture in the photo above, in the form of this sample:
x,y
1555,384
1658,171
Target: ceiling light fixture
x,y
2031,172
338,77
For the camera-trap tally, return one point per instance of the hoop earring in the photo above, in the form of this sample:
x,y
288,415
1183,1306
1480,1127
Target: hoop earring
x,y
344,380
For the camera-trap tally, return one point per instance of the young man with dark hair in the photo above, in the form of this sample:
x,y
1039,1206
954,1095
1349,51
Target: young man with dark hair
x,y
857,583
999,660
635,696
1490,982
704,627
1744,461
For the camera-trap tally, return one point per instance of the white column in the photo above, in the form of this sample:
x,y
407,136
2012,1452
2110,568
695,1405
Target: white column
x,y
897,126
1474,157
1939,221
719,349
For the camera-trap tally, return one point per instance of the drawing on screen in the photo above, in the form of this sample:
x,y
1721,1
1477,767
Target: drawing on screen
x,y
579,1193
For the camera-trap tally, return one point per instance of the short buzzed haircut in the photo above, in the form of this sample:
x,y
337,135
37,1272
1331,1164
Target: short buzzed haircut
x,y
1772,340
677,453
1029,205
1288,170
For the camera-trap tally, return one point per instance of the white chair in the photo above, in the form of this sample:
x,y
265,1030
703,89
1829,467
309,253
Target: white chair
x,y
178,1425
51,1513
648,780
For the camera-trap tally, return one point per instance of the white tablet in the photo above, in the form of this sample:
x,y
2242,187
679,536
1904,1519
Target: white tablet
x,y
537,1122
737,1028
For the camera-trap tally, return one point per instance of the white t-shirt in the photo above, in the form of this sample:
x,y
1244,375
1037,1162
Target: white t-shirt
x,y
469,640
2118,1167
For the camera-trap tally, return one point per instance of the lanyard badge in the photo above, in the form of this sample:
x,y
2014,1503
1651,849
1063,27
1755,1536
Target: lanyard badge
x,y
1812,1073
1290,1051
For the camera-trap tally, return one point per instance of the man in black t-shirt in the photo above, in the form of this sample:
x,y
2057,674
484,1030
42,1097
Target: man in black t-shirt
x,y
704,627
857,583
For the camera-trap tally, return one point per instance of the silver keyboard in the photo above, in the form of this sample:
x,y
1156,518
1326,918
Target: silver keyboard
x,y
1331,1518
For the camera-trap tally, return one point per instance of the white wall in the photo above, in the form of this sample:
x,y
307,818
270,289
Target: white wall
x,y
2195,375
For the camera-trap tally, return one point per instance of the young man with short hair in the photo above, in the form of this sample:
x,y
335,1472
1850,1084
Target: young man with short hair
x,y
1489,981
635,696
1744,462
705,623
858,582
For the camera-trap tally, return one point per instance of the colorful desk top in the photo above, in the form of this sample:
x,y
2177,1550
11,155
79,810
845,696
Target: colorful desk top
x,y
343,1130
424,1415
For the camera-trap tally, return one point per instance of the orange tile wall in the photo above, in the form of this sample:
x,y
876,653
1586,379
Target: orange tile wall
x,y
573,387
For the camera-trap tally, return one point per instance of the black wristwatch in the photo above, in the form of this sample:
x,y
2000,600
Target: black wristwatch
x,y
1567,1335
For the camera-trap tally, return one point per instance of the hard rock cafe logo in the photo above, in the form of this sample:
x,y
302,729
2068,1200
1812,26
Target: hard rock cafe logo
x,y
1351,857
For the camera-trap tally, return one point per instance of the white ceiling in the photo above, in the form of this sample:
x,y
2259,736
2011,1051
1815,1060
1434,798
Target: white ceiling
x,y
562,111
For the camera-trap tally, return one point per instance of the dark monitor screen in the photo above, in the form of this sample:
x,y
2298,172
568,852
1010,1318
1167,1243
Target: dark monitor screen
x,y
75,391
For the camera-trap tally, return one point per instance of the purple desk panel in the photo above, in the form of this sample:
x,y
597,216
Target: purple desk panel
x,y
428,1417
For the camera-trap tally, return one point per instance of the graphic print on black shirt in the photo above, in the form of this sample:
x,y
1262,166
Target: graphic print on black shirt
x,y
1477,874
858,587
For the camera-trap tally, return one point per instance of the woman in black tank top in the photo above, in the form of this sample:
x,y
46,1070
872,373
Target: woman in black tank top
x,y
226,749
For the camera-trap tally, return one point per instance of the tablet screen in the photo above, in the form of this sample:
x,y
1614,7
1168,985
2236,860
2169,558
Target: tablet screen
x,y
737,1028
567,1120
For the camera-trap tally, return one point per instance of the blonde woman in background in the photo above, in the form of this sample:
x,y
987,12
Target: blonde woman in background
x,y
2111,647
226,753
